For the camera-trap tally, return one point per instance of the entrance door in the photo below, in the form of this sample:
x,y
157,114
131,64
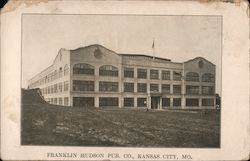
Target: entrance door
x,y
83,101
155,102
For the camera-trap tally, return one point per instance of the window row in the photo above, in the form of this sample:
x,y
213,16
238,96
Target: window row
x,y
56,88
58,101
109,70
189,102
195,102
194,77
142,102
128,102
80,85
52,76
205,90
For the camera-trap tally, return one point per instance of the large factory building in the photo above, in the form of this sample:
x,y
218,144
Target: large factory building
x,y
94,76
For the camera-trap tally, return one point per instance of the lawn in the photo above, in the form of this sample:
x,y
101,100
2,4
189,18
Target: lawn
x,y
44,124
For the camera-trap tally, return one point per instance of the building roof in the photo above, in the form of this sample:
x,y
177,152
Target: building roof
x,y
120,54
142,55
199,58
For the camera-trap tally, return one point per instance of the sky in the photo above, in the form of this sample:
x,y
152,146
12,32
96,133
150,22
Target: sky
x,y
178,38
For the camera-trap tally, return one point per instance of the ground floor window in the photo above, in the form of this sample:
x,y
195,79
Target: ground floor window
x,y
192,102
176,102
208,102
60,101
108,101
83,101
165,102
55,100
66,101
128,102
141,102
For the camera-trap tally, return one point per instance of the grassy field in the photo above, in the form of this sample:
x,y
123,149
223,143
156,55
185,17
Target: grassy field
x,y
45,124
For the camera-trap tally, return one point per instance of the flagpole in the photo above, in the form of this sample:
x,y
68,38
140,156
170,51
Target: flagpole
x,y
153,46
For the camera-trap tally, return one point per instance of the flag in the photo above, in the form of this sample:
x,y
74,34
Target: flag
x,y
153,45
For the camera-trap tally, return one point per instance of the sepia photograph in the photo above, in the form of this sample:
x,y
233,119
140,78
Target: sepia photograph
x,y
112,80
125,80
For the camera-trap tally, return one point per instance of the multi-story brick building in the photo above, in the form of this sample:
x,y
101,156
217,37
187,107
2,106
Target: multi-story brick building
x,y
96,76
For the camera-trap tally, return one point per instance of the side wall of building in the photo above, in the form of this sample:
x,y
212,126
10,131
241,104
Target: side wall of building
x,y
54,81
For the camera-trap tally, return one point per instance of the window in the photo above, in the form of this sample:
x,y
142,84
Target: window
x,y
52,76
82,68
154,87
66,69
176,102
176,89
165,75
176,76
79,85
192,89
208,77
141,102
208,102
60,87
165,88
154,74
49,77
165,102
60,72
192,77
108,101
60,101
66,101
128,87
48,90
55,88
108,70
66,86
192,102
83,101
207,90
55,100
129,72
46,79
55,74
108,86
128,102
52,89
141,87
142,73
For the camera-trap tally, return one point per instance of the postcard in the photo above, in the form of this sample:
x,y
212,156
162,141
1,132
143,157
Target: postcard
x,y
125,80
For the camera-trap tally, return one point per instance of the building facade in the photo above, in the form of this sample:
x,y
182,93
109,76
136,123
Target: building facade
x,y
95,76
